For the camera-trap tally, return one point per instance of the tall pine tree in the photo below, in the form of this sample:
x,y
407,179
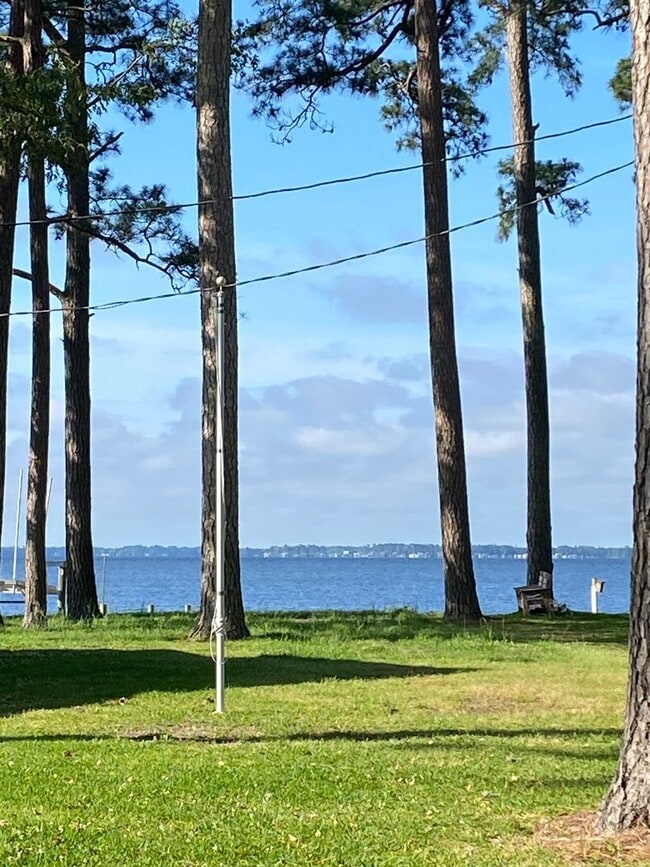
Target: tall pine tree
x,y
35,613
130,57
528,37
217,260
627,803
392,50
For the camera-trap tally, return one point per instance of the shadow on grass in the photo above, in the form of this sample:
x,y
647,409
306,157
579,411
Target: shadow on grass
x,y
394,624
53,678
430,739
270,669
405,623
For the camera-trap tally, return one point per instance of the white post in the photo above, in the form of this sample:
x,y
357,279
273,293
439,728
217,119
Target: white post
x,y
219,624
20,495
597,587
61,589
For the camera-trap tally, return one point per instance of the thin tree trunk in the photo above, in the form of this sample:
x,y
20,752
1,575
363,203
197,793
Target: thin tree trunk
x,y
628,800
461,600
9,180
217,252
538,532
35,560
82,600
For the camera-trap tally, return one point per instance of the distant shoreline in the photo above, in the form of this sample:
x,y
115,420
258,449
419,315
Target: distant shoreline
x,y
380,551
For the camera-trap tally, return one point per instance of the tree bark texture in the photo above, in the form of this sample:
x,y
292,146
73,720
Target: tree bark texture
x,y
538,530
9,180
461,600
217,258
82,600
628,801
35,561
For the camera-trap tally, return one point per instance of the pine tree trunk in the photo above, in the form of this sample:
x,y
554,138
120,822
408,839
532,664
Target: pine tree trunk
x,y
538,532
461,600
9,179
82,600
35,560
217,253
628,801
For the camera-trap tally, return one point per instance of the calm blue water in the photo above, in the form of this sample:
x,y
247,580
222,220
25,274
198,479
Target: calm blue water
x,y
170,584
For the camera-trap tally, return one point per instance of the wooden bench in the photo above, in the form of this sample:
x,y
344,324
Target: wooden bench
x,y
536,598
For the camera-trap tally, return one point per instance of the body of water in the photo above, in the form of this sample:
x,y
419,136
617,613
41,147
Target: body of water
x,y
268,584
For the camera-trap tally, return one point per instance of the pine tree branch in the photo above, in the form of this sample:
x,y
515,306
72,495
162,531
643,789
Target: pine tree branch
x,y
327,75
545,198
607,21
124,45
25,275
363,62
117,78
116,244
406,87
386,6
110,142
52,32
501,8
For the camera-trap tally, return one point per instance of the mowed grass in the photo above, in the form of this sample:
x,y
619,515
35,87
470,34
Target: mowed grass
x,y
367,738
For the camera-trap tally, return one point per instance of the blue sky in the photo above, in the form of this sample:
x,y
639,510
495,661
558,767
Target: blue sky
x,y
336,412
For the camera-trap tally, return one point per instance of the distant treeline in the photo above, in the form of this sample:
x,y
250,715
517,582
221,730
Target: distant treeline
x,y
390,550
386,550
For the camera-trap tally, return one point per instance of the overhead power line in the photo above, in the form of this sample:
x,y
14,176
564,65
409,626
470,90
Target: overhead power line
x,y
451,159
71,218
402,244
113,305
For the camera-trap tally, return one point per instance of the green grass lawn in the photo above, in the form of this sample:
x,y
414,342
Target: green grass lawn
x,y
374,738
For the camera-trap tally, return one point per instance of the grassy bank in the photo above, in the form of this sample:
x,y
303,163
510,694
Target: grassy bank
x,y
349,739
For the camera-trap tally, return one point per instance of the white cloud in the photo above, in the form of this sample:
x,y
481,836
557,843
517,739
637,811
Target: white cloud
x,y
343,442
605,373
412,368
373,299
482,444
335,458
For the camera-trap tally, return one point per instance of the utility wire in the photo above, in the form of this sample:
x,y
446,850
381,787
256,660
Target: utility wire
x,y
447,159
113,305
71,218
409,243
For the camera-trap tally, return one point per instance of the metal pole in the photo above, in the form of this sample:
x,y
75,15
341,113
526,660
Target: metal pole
x,y
104,556
220,513
20,494
49,494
